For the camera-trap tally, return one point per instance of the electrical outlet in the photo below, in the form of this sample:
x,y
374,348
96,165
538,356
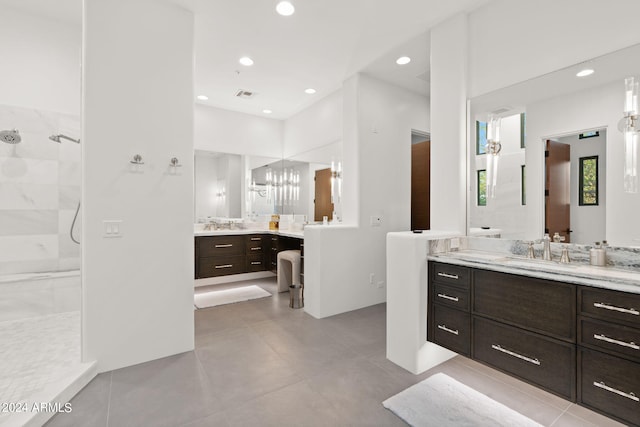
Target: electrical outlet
x,y
455,243
376,220
371,277
380,284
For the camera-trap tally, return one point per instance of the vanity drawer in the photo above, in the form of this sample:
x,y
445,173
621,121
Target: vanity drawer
x,y
451,329
255,243
220,246
610,385
451,274
256,262
609,337
221,266
610,305
535,304
451,296
547,362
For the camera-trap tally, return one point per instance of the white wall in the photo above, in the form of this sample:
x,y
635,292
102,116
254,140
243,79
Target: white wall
x,y
231,132
318,125
511,41
41,62
448,129
138,98
588,223
378,121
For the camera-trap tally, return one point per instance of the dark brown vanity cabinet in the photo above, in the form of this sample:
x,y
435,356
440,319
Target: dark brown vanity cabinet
x,y
609,353
579,342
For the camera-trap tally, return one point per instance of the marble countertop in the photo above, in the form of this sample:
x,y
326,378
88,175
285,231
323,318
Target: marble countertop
x,y
288,233
577,273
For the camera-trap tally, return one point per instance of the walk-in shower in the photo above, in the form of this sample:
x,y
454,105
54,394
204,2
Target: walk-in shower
x,y
10,136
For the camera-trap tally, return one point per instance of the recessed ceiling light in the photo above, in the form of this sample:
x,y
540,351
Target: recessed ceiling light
x,y
285,8
246,61
267,111
585,72
403,60
310,91
202,97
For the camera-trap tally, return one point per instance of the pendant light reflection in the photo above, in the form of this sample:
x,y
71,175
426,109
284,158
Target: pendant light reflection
x,y
629,127
493,154
283,188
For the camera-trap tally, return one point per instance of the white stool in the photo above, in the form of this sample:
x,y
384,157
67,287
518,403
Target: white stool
x,y
288,270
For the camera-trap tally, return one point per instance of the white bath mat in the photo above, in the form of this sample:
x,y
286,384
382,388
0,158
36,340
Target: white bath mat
x,y
228,296
441,401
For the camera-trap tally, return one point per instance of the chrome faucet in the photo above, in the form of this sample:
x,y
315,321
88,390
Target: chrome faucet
x,y
546,250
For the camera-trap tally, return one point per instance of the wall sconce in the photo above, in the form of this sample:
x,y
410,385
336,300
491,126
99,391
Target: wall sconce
x,y
336,182
628,125
493,154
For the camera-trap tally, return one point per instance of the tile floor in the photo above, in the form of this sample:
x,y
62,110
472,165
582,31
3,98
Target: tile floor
x,y
35,353
260,363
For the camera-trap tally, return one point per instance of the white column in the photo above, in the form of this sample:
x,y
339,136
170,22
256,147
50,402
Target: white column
x,y
137,99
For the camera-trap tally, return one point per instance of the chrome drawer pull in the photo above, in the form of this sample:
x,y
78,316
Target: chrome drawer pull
x,y
256,262
254,239
449,276
445,296
224,266
603,386
451,331
228,245
614,341
519,356
614,308
257,248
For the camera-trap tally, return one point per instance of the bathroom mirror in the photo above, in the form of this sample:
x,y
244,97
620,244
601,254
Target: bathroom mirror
x,y
559,107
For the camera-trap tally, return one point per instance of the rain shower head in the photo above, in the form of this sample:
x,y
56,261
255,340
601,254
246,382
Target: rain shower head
x,y
60,136
10,136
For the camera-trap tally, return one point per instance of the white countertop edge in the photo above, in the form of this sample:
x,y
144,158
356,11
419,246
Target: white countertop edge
x,y
288,233
616,284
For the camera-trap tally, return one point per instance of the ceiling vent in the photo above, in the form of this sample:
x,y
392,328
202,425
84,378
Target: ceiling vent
x,y
501,110
246,94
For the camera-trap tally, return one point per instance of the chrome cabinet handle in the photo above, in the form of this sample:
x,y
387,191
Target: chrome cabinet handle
x,y
255,239
228,245
603,386
451,331
257,248
449,276
602,337
614,308
224,266
514,354
445,296
256,262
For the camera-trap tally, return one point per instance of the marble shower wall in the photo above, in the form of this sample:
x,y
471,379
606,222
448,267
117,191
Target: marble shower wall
x,y
39,192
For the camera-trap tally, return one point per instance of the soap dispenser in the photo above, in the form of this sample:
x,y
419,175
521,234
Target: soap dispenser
x,y
598,256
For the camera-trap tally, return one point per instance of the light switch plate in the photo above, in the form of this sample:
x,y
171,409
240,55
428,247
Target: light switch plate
x,y
112,228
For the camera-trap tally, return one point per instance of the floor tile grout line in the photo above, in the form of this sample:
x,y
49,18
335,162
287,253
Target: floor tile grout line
x,y
109,398
560,416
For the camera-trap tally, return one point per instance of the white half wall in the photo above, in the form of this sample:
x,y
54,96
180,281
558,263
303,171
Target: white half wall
x,y
238,133
41,62
377,150
138,99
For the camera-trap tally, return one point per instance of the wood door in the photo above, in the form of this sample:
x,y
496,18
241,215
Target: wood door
x,y
420,185
322,200
557,189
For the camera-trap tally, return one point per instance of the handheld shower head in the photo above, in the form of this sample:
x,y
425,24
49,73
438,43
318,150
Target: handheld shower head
x,y
10,136
57,138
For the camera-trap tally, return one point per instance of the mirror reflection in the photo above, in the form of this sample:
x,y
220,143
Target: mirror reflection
x,y
582,197
234,188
